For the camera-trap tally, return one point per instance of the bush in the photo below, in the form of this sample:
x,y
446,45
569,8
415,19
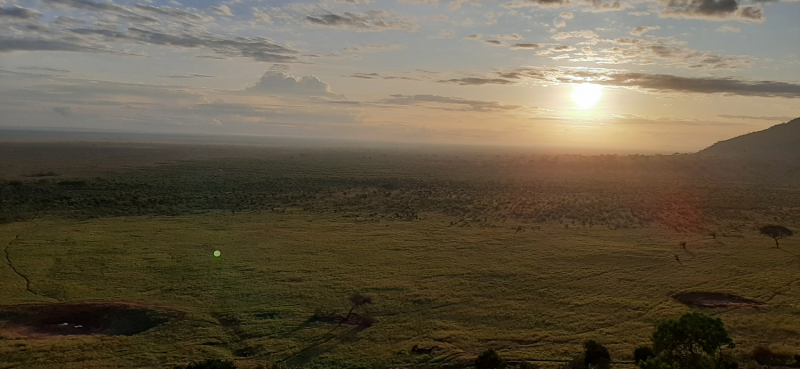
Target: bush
x,y
642,353
528,365
765,356
209,364
695,341
596,356
489,359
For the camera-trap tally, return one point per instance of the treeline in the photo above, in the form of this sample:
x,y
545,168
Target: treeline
x,y
379,194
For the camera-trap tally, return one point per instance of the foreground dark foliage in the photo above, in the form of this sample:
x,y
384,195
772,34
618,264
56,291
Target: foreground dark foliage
x,y
695,341
489,359
209,364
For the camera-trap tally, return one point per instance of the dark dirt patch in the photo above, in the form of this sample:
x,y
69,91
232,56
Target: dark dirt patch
x,y
713,299
111,319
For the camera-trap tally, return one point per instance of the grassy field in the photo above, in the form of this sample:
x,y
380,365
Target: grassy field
x,y
535,294
530,255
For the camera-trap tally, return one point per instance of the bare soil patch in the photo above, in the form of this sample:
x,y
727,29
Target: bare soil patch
x,y
99,318
713,299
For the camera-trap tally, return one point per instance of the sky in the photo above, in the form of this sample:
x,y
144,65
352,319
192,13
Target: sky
x,y
612,75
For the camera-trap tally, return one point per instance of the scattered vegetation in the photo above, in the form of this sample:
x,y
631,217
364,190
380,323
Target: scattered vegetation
x,y
209,364
489,359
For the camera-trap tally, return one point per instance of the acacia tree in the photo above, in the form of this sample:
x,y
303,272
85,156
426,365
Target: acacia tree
x,y
776,232
357,300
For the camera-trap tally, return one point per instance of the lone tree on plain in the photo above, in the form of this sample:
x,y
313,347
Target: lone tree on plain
x,y
695,341
776,232
357,300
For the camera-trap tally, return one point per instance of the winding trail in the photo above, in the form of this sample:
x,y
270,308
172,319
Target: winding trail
x,y
17,272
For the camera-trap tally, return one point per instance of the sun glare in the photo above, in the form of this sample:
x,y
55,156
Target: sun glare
x,y
586,95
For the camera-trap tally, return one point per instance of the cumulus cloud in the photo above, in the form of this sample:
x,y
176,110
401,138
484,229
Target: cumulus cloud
x,y
370,21
638,31
587,34
712,10
279,83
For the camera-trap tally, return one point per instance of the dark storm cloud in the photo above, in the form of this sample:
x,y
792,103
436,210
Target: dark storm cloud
x,y
19,13
372,20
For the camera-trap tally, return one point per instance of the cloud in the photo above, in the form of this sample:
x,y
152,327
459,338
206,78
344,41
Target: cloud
x,y
86,5
434,101
512,36
567,15
750,117
539,3
280,83
638,31
588,34
717,10
222,10
188,75
370,21
474,36
45,69
378,76
525,46
259,49
67,21
63,110
373,48
653,83
476,81
727,28
16,12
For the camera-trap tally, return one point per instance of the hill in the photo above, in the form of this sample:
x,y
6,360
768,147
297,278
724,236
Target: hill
x,y
781,141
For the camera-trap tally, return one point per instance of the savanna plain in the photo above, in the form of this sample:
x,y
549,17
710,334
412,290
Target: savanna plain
x,y
460,250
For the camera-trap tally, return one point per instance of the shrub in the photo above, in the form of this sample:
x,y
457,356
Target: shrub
x,y
209,364
489,359
528,365
596,356
642,353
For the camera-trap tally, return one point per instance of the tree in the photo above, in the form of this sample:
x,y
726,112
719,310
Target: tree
x,y
357,300
595,356
695,341
489,359
776,232
642,353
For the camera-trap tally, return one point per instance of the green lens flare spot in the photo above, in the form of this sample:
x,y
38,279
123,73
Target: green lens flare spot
x,y
217,253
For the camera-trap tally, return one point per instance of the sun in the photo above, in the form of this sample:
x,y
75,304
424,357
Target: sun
x,y
586,95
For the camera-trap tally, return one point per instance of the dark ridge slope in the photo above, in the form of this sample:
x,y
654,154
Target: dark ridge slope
x,y
781,141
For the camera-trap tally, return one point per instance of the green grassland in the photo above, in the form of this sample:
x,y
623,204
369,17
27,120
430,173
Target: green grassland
x,y
464,253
